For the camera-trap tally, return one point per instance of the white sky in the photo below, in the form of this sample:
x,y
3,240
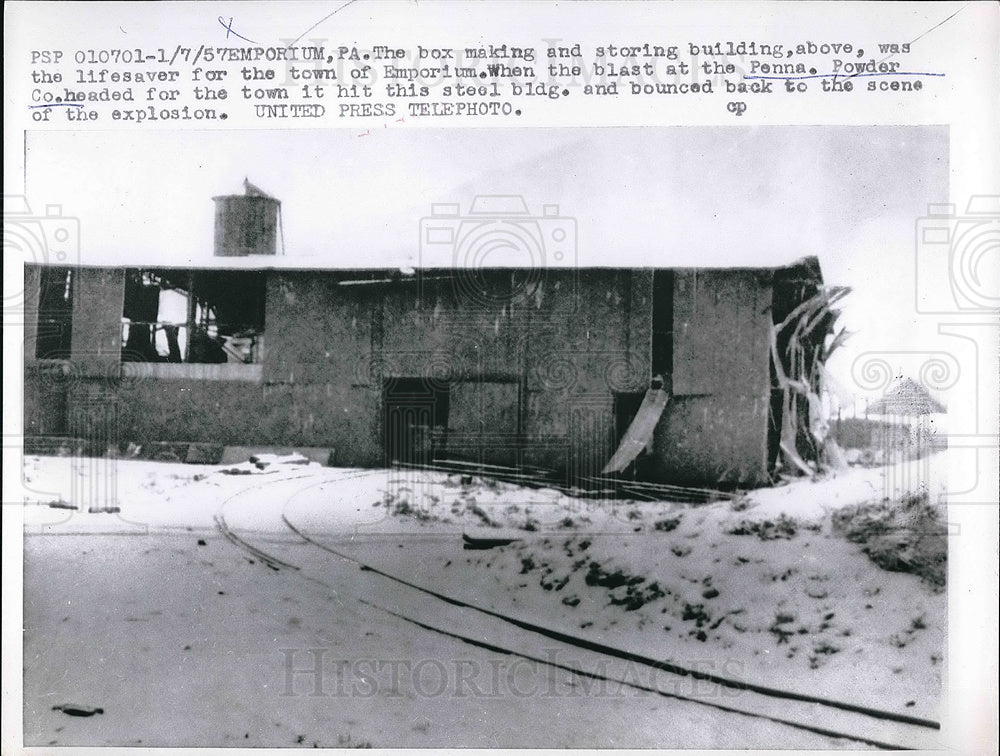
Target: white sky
x,y
686,196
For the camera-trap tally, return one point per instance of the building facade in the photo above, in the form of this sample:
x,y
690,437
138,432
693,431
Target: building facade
x,y
519,367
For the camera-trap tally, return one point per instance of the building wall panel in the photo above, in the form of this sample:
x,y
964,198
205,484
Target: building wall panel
x,y
438,321
44,411
715,426
343,419
483,422
317,331
712,440
98,300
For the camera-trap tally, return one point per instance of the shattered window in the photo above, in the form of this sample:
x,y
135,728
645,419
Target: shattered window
x,y
193,316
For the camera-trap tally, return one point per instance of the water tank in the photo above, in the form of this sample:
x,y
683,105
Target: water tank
x,y
246,224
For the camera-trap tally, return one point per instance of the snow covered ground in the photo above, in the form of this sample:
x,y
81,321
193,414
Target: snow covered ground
x,y
184,639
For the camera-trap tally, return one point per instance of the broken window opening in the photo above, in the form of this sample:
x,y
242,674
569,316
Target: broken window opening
x,y
193,316
55,314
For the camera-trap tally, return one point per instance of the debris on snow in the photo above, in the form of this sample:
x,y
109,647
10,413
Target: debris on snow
x,y
268,463
77,710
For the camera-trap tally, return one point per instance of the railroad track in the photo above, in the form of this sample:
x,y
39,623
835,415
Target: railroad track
x,y
480,627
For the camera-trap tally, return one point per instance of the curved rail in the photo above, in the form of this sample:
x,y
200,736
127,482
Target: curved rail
x,y
496,648
630,656
273,562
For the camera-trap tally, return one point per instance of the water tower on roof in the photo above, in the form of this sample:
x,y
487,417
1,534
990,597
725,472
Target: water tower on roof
x,y
247,224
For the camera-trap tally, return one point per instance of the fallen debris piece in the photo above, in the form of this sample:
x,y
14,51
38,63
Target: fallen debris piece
x,y
640,432
597,487
262,461
473,543
801,344
262,464
236,471
78,710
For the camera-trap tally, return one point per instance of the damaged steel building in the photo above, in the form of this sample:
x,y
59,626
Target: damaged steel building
x,y
679,375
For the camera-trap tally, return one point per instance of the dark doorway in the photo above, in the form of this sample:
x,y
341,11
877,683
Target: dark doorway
x,y
662,362
416,419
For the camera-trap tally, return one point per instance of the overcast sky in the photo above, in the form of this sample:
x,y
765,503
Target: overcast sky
x,y
687,196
